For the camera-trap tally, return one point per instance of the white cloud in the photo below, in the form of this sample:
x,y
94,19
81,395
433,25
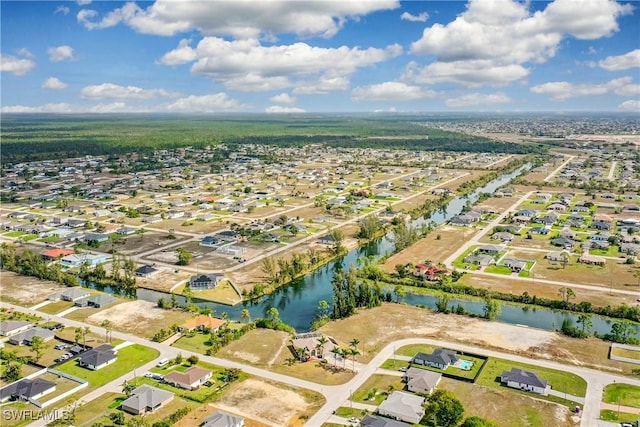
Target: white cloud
x,y
207,104
390,91
473,73
632,89
560,91
504,36
60,53
630,105
238,18
83,2
16,66
621,62
406,16
280,109
473,99
53,83
62,9
283,98
47,108
248,66
113,91
25,52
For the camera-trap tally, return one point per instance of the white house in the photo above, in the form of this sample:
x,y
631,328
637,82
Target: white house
x,y
403,406
525,380
190,379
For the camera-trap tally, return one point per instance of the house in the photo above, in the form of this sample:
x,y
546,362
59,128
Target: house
x,y
600,237
429,272
503,236
525,380
597,244
563,242
550,218
567,234
27,389
201,323
421,380
205,281
403,406
126,231
191,379
98,357
97,301
146,271
327,239
529,213
630,248
585,258
75,260
12,327
25,338
227,236
223,419
95,238
440,358
310,342
489,249
376,421
556,255
515,265
543,231
557,207
481,260
210,242
56,253
541,198
462,220
71,294
146,399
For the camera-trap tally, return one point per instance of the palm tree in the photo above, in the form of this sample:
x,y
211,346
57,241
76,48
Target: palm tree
x,y
85,331
354,343
322,341
336,352
344,353
354,352
245,314
108,326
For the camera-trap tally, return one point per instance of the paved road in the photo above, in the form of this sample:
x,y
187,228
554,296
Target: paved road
x,y
337,395
612,170
558,169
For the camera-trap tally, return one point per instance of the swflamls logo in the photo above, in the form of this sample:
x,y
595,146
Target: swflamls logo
x,y
32,415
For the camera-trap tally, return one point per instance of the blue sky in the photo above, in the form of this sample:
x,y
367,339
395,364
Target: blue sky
x,y
320,56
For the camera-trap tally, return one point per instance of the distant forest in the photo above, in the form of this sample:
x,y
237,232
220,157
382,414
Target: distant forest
x,y
45,137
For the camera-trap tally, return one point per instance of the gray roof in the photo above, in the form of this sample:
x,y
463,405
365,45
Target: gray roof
x,y
11,325
422,378
74,293
377,421
99,355
440,356
26,388
30,333
523,377
145,397
222,419
101,299
400,402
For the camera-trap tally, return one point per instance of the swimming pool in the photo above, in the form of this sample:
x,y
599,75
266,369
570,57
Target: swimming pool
x,y
465,365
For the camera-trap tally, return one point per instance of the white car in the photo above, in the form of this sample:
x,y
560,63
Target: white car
x,y
353,420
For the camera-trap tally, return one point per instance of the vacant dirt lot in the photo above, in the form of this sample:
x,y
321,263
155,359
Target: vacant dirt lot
x,y
430,247
270,404
139,317
376,327
25,290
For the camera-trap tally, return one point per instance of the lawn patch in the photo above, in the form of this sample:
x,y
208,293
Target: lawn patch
x,y
622,394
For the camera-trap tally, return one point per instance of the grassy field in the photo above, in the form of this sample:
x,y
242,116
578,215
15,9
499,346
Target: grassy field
x,y
560,381
617,417
498,269
505,408
56,307
224,293
346,412
377,388
129,358
623,394
623,352
196,343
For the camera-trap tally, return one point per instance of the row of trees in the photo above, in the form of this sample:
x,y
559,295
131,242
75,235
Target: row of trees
x,y
350,293
29,263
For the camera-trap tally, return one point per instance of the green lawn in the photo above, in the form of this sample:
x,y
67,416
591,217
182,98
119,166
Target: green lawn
x,y
623,394
623,352
129,358
615,416
196,343
459,263
347,412
394,364
411,350
498,269
56,307
561,381
377,388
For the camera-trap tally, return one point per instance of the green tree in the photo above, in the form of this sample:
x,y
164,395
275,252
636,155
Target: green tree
x,y
38,346
566,294
117,418
128,387
586,322
184,256
443,409
178,359
491,308
274,315
13,372
338,238
478,422
246,314
193,359
269,268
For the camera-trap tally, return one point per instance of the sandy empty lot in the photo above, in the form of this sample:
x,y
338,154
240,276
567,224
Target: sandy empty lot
x,y
264,402
25,290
